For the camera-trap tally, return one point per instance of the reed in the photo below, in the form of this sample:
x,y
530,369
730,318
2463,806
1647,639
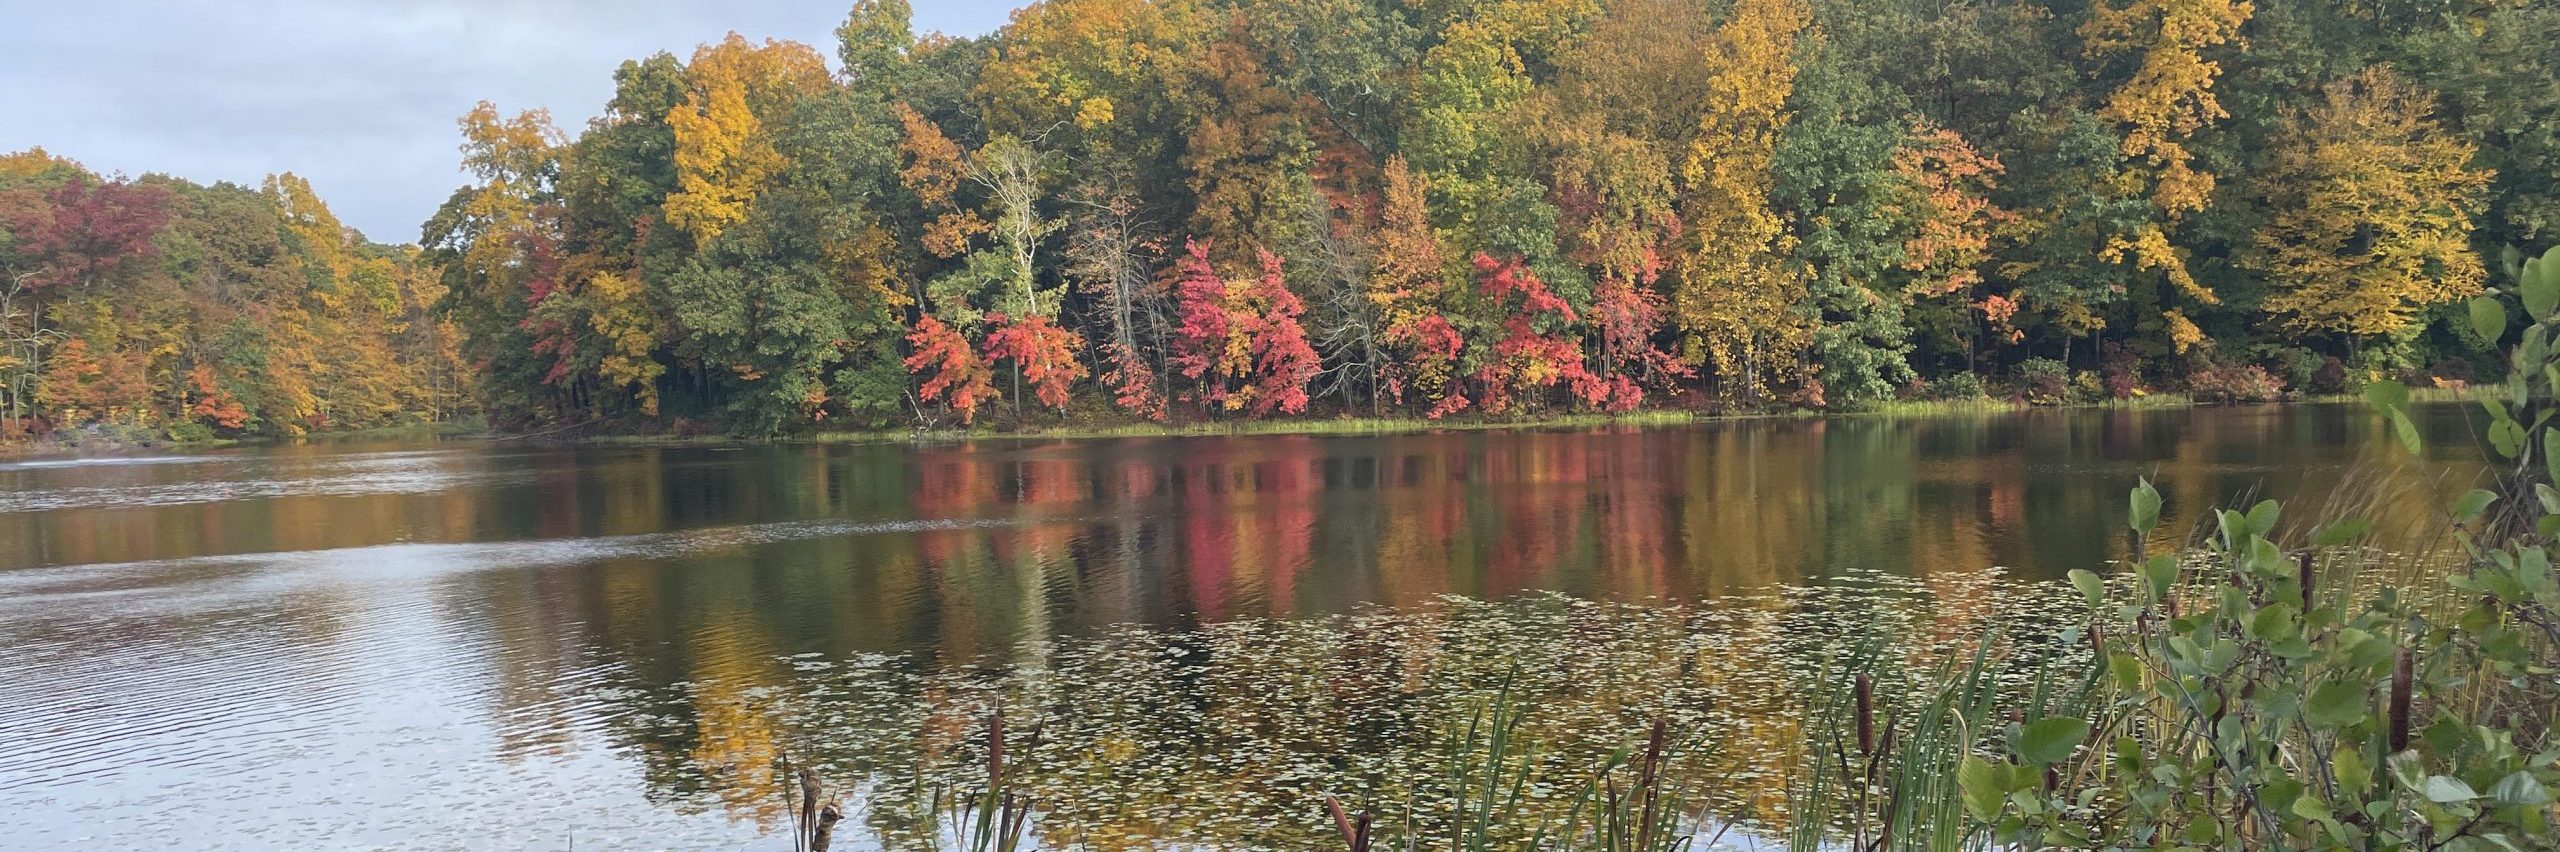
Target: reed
x,y
1632,800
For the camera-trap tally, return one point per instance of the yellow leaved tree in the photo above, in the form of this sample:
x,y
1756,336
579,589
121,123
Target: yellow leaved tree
x,y
2371,205
2164,103
1737,291
724,153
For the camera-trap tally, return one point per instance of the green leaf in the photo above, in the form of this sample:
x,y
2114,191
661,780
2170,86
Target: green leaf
x,y
2541,291
2520,789
2533,569
2489,318
2387,395
2050,741
2406,431
2146,507
2090,586
2128,671
2507,437
2262,517
2159,574
2348,766
1983,791
2273,622
2446,790
2473,505
2336,704
2310,808
2551,453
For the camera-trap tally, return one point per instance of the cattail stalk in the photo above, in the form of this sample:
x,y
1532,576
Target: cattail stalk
x,y
2403,671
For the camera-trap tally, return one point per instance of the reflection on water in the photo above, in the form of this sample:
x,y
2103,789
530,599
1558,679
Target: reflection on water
x,y
469,646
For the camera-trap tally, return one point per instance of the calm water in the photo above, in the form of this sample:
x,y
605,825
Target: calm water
x,y
470,645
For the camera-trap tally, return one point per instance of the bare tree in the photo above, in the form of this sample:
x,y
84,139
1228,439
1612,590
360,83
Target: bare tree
x,y
1012,172
1344,321
23,339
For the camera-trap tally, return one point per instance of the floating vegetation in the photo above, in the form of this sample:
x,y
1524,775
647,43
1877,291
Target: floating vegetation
x,y
1546,720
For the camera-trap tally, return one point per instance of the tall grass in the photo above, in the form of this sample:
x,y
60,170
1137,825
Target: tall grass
x,y
1630,801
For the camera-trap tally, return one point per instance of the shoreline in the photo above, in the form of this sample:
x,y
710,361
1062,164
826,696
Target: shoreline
x,y
468,430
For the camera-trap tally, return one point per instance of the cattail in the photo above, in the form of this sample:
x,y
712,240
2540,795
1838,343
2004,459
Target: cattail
x,y
809,789
1865,690
825,834
995,748
1342,823
2402,673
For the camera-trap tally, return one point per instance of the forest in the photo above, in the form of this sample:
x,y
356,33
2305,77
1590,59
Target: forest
x,y
1202,210
151,309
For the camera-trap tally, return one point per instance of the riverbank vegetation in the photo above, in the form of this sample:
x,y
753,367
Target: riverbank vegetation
x,y
2264,681
1191,210
157,310
1115,211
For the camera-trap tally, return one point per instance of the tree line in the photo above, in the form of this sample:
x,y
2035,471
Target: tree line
x,y
138,309
1203,209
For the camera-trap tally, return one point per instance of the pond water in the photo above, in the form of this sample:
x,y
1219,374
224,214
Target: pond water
x,y
471,645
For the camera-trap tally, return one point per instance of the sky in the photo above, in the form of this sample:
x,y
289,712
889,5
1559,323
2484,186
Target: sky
x,y
358,96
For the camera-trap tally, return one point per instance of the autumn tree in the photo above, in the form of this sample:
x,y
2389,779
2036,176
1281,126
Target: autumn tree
x,y
1247,152
1736,291
724,155
2165,99
1410,290
1538,349
1280,361
2372,204
1044,353
960,379
72,238
1944,192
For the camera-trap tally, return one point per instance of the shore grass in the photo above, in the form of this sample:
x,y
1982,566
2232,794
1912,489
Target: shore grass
x,y
1363,425
1307,426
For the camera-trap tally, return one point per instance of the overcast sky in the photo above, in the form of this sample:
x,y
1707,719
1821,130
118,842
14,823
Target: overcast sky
x,y
359,96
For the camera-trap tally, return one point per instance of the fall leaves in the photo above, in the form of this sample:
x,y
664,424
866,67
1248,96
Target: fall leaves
x,y
2374,215
1175,209
157,305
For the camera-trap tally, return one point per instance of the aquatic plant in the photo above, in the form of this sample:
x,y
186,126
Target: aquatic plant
x,y
2240,698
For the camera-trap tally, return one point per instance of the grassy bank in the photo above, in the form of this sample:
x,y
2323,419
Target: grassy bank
x,y
99,440
1332,426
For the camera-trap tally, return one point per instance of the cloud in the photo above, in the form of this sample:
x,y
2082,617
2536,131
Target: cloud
x,y
359,96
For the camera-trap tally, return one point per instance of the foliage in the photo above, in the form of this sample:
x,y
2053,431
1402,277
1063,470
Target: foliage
x,y
1045,353
156,305
2373,212
960,379
2235,383
1805,201
2044,381
2257,694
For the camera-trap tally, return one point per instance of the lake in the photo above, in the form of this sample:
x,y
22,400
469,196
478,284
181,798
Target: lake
x,y
476,645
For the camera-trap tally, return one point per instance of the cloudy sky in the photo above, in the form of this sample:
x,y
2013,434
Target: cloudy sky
x,y
359,96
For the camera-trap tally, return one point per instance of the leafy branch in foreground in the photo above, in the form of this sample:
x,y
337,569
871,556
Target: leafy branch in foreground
x,y
2246,697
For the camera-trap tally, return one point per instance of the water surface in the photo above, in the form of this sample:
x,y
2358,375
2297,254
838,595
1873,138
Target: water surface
x,y
471,645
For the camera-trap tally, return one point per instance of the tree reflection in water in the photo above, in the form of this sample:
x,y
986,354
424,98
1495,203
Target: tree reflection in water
x,y
1231,735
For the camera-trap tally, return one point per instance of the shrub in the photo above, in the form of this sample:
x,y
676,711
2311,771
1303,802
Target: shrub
x,y
2044,381
2332,376
2297,366
1961,386
2086,387
2237,383
2121,368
